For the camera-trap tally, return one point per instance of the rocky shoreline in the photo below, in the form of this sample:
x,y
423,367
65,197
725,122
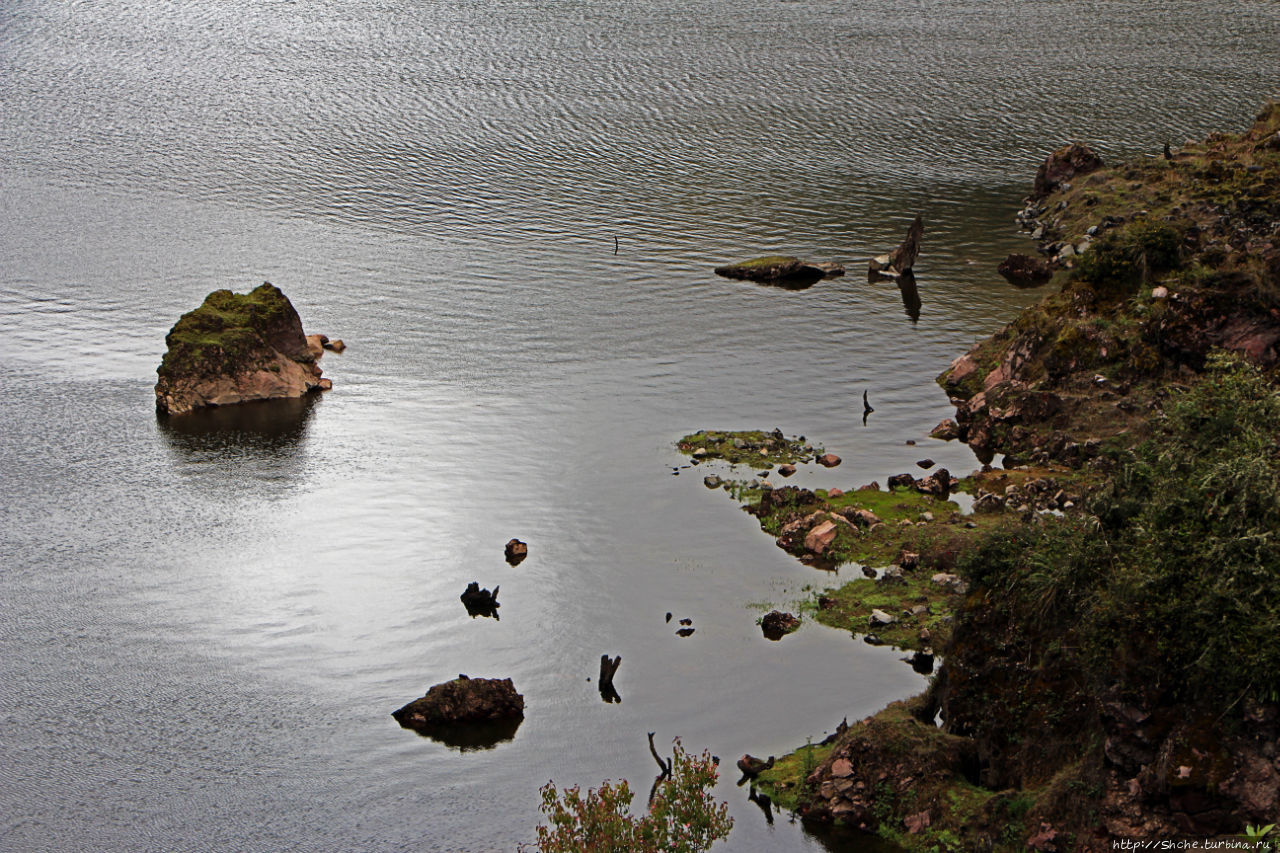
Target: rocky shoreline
x,y
1086,695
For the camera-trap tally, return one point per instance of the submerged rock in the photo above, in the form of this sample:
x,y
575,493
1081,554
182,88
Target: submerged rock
x,y
780,269
463,700
236,348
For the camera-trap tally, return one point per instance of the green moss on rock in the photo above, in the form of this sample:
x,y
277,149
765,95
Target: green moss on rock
x,y
755,448
232,332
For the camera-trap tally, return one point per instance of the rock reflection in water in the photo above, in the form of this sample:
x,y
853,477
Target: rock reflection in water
x,y
472,737
266,428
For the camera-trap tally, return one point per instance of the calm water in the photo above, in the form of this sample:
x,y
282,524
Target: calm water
x,y
205,624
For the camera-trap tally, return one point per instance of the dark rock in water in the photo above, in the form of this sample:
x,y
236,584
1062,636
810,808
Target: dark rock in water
x,y
782,270
922,662
236,348
1025,271
786,470
684,632
480,602
686,621
901,481
777,624
711,481
1062,165
752,767
516,551
828,460
925,463
462,701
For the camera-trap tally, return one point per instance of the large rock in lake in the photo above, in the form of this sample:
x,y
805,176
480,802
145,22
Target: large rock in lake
x,y
235,348
463,700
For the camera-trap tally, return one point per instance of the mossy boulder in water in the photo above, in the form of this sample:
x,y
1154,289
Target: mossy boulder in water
x,y
235,348
462,701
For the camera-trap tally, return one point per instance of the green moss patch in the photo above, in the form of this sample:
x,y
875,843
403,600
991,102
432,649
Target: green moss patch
x,y
755,448
921,609
233,331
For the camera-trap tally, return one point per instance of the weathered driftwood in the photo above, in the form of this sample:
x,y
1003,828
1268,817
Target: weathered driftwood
x,y
902,258
608,668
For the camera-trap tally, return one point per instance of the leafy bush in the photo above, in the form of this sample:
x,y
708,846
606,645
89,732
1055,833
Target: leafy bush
x,y
683,817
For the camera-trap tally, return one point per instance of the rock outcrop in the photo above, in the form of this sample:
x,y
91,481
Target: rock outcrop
x,y
236,348
1076,159
1161,263
462,701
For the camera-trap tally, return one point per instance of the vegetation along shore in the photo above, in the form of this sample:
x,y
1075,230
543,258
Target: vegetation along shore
x,y
1108,610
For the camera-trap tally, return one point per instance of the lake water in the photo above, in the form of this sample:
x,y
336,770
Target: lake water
x,y
205,623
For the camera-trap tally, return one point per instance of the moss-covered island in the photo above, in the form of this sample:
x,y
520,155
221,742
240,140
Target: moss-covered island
x,y
236,348
1109,619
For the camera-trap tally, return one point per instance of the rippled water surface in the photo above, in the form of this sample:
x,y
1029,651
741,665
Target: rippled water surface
x,y
205,623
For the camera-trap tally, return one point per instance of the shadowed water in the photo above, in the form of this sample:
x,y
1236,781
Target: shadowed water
x,y
207,622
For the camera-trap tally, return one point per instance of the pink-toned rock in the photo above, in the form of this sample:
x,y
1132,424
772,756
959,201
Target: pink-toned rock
x,y
961,369
828,460
819,539
786,470
235,348
842,768
947,430
315,345
835,493
995,377
865,517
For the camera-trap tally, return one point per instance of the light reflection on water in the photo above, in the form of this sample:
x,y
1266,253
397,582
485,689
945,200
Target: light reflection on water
x,y
228,608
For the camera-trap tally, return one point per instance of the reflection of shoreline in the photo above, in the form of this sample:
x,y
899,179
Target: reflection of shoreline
x,y
265,429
